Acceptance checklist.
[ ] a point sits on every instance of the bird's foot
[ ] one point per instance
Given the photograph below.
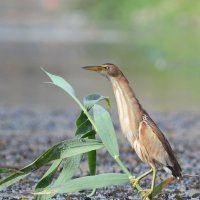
(135, 182)
(147, 193)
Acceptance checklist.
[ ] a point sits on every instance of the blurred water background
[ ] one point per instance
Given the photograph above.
(156, 44)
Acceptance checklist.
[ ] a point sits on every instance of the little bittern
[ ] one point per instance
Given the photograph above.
(141, 131)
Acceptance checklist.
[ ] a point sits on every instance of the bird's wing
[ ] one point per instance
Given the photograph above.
(157, 145)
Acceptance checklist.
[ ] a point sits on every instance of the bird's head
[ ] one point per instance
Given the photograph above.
(109, 70)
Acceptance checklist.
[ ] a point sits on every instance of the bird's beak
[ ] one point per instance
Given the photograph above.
(95, 68)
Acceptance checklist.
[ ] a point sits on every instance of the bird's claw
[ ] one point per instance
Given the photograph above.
(147, 192)
(135, 182)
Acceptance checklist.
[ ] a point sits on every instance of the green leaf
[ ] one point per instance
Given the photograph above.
(88, 182)
(106, 130)
(47, 179)
(4, 170)
(59, 81)
(84, 128)
(92, 162)
(70, 166)
(162, 185)
(64, 149)
(92, 159)
(63, 84)
(81, 119)
(92, 99)
(48, 176)
(83, 123)
(89, 134)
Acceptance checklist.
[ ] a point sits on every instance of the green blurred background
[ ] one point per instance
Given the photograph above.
(155, 43)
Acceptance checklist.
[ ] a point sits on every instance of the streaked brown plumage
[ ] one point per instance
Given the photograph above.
(141, 131)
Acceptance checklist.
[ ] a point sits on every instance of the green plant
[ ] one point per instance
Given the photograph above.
(69, 152)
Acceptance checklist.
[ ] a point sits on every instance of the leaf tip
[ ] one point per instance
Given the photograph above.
(42, 69)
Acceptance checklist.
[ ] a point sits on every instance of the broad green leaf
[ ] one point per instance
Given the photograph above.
(64, 149)
(81, 119)
(92, 99)
(83, 124)
(48, 176)
(88, 182)
(70, 166)
(47, 179)
(162, 185)
(59, 81)
(63, 84)
(84, 128)
(106, 130)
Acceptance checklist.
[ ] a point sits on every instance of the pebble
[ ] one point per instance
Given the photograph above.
(26, 133)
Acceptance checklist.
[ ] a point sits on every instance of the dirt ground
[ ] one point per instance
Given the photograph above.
(25, 133)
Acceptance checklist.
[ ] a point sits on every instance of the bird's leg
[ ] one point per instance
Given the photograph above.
(135, 181)
(148, 192)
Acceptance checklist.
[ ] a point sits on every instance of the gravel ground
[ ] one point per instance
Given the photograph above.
(25, 133)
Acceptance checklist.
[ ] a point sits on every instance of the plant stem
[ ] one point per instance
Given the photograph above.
(87, 114)
(119, 162)
(131, 178)
(117, 159)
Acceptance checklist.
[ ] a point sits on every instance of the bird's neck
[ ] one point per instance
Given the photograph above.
(129, 109)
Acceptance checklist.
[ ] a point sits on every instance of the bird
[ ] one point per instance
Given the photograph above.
(145, 137)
